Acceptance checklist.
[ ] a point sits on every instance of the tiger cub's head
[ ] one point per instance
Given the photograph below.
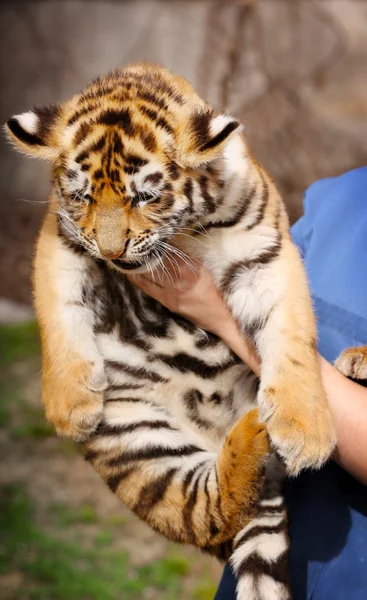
(128, 155)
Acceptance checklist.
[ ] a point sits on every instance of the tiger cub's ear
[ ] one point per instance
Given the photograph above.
(35, 132)
(204, 137)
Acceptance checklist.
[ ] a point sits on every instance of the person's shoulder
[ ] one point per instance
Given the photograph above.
(332, 201)
(346, 190)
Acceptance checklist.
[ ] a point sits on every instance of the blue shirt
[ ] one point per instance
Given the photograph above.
(328, 509)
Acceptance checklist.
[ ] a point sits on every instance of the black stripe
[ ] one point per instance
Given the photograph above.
(263, 259)
(209, 341)
(125, 386)
(213, 528)
(219, 499)
(134, 160)
(23, 135)
(238, 215)
(153, 453)
(153, 178)
(200, 127)
(206, 492)
(153, 492)
(190, 364)
(46, 118)
(167, 202)
(262, 511)
(254, 565)
(149, 112)
(222, 135)
(114, 481)
(251, 328)
(278, 214)
(173, 170)
(139, 372)
(82, 156)
(263, 204)
(259, 530)
(80, 113)
(121, 117)
(91, 455)
(148, 140)
(105, 429)
(156, 82)
(192, 399)
(156, 328)
(209, 202)
(76, 248)
(98, 145)
(130, 399)
(163, 123)
(188, 191)
(81, 133)
(189, 475)
(152, 99)
(188, 510)
(115, 176)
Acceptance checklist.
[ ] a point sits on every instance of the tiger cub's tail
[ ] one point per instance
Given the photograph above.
(260, 550)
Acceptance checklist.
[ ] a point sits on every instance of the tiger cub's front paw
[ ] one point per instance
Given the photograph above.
(300, 426)
(353, 363)
(73, 399)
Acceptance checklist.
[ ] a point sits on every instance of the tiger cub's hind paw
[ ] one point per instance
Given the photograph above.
(353, 363)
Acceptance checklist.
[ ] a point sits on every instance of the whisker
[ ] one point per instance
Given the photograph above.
(184, 257)
(32, 201)
(190, 236)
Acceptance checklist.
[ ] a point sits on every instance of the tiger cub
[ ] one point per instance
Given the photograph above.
(140, 166)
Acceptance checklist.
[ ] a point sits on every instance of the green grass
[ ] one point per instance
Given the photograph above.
(103, 538)
(116, 520)
(18, 341)
(6, 398)
(9, 397)
(205, 589)
(61, 570)
(34, 430)
(85, 514)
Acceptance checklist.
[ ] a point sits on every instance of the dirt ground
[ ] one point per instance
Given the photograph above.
(64, 535)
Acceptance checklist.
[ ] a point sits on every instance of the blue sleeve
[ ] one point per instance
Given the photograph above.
(302, 230)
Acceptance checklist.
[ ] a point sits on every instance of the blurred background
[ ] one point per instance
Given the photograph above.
(294, 72)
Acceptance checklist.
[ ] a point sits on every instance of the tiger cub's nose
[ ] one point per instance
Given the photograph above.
(111, 256)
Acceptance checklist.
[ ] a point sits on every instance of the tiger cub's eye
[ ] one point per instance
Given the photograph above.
(142, 197)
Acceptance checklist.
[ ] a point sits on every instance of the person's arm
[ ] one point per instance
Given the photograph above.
(348, 403)
(196, 298)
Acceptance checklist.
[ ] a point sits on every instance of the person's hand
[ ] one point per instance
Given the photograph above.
(188, 290)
